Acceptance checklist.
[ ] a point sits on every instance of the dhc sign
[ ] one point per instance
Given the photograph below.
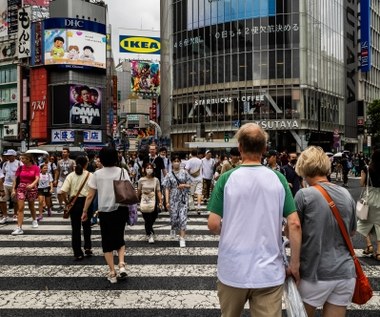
(139, 44)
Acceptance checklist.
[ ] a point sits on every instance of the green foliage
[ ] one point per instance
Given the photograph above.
(373, 113)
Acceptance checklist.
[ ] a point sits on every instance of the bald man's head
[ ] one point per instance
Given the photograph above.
(252, 139)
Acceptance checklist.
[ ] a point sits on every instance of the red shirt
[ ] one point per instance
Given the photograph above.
(28, 174)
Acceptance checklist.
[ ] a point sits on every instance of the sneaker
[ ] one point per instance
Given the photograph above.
(151, 239)
(182, 243)
(112, 277)
(122, 270)
(34, 224)
(40, 217)
(17, 231)
(5, 220)
(60, 209)
(173, 233)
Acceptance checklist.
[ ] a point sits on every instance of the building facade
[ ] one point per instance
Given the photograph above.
(369, 77)
(53, 75)
(281, 64)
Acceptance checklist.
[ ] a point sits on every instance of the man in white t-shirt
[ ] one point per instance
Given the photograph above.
(9, 170)
(208, 164)
(252, 200)
(194, 168)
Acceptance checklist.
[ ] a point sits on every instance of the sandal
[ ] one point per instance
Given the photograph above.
(368, 250)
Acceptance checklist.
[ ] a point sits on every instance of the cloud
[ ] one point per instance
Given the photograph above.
(132, 14)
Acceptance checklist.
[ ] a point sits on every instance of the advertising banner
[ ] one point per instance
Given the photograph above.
(3, 18)
(139, 44)
(37, 47)
(206, 13)
(145, 77)
(68, 136)
(40, 3)
(85, 105)
(38, 104)
(8, 49)
(74, 43)
(365, 34)
(24, 32)
(13, 6)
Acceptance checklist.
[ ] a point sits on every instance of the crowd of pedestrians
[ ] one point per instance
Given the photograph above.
(255, 199)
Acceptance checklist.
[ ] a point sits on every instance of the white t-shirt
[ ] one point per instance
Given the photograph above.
(45, 180)
(9, 170)
(252, 200)
(102, 181)
(208, 168)
(193, 165)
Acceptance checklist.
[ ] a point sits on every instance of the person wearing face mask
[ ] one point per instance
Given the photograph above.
(292, 177)
(147, 185)
(177, 185)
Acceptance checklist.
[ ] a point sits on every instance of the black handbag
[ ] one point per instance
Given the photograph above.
(124, 191)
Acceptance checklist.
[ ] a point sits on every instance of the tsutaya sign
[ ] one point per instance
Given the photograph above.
(278, 124)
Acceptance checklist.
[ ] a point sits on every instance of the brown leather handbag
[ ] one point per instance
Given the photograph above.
(124, 191)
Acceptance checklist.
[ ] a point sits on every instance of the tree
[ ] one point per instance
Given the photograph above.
(373, 112)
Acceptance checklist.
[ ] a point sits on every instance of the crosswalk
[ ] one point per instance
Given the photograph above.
(38, 274)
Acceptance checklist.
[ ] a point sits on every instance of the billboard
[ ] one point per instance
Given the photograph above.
(7, 49)
(13, 6)
(85, 105)
(206, 13)
(139, 44)
(24, 32)
(145, 77)
(365, 36)
(38, 103)
(3, 18)
(74, 43)
(40, 3)
(68, 136)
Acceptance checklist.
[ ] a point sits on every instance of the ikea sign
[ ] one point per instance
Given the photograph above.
(139, 44)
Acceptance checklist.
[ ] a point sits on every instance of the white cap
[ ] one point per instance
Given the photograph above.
(10, 152)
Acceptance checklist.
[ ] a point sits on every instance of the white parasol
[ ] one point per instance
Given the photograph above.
(37, 151)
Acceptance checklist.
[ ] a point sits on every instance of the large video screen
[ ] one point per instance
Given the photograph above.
(85, 105)
(145, 77)
(74, 43)
(210, 12)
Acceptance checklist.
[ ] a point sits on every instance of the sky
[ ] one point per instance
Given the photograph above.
(131, 14)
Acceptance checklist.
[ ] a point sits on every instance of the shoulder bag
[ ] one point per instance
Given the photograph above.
(362, 207)
(66, 210)
(363, 290)
(124, 191)
(148, 201)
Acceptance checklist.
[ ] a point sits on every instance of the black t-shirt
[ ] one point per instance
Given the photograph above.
(292, 178)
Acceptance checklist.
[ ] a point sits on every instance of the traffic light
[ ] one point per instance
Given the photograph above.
(226, 137)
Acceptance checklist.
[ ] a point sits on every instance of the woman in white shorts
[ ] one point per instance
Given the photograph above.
(327, 269)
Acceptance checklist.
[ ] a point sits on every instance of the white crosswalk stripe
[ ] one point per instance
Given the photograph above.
(38, 274)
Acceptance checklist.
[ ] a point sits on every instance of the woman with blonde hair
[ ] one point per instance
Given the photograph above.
(25, 188)
(326, 268)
